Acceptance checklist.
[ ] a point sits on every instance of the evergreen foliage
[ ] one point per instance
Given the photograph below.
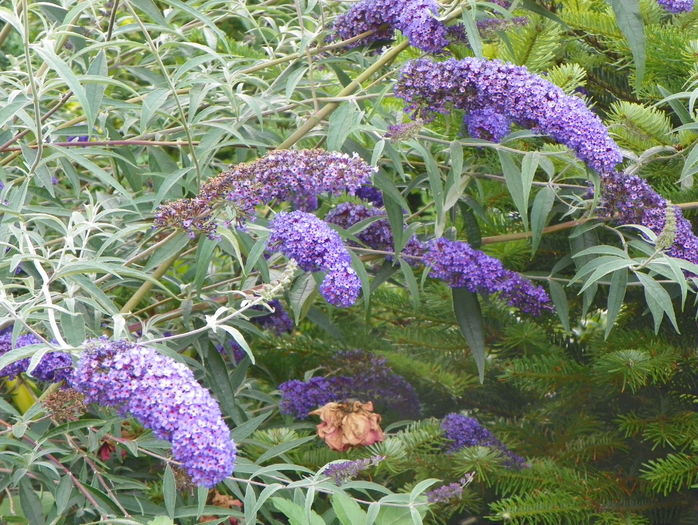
(586, 414)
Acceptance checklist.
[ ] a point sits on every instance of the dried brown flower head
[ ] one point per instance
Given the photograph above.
(349, 424)
(65, 405)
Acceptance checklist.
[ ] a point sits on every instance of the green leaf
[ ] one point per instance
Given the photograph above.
(347, 510)
(515, 184)
(690, 168)
(302, 295)
(152, 102)
(169, 491)
(244, 430)
(467, 310)
(436, 186)
(63, 493)
(204, 253)
(411, 282)
(30, 503)
(471, 32)
(73, 327)
(342, 123)
(217, 371)
(94, 91)
(540, 210)
(64, 71)
(9, 110)
(559, 297)
(161, 520)
(616, 294)
(629, 20)
(658, 301)
(296, 513)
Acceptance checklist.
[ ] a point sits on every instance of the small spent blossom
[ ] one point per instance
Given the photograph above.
(316, 247)
(349, 424)
(343, 471)
(462, 431)
(676, 6)
(282, 175)
(165, 397)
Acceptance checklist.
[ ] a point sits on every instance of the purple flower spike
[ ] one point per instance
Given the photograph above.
(464, 432)
(367, 378)
(53, 367)
(415, 18)
(463, 267)
(676, 6)
(487, 124)
(631, 200)
(317, 247)
(430, 87)
(166, 398)
(283, 175)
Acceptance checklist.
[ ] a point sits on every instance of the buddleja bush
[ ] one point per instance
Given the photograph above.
(314, 262)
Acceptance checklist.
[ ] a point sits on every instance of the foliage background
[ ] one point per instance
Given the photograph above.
(169, 93)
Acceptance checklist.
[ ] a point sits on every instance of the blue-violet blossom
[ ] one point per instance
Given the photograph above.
(676, 6)
(430, 87)
(53, 367)
(364, 376)
(415, 18)
(463, 431)
(282, 175)
(461, 266)
(165, 397)
(317, 247)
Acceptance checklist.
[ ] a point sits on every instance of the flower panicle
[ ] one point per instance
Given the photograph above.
(165, 397)
(283, 175)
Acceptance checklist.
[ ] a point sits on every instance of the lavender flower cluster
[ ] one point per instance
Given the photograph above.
(415, 18)
(283, 175)
(513, 92)
(463, 431)
(676, 6)
(343, 471)
(277, 321)
(454, 262)
(498, 92)
(463, 267)
(317, 247)
(368, 378)
(165, 397)
(53, 367)
(485, 123)
(376, 235)
(631, 200)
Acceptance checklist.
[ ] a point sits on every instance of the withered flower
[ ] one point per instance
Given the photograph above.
(349, 424)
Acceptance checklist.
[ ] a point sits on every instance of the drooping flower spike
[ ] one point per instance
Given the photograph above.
(317, 247)
(282, 175)
(528, 100)
(165, 397)
(456, 263)
(53, 367)
(415, 18)
(471, 84)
